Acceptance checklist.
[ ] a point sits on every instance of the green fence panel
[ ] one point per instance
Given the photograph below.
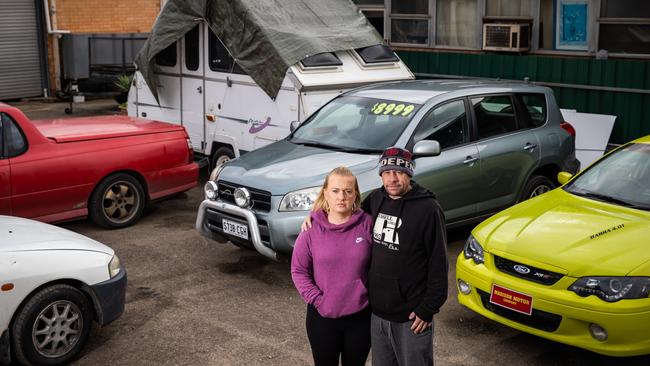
(632, 109)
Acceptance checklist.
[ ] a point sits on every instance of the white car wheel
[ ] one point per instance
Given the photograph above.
(52, 326)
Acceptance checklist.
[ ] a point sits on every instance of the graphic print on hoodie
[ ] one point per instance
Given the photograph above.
(384, 231)
(330, 263)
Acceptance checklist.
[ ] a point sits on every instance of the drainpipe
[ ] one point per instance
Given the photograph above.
(50, 20)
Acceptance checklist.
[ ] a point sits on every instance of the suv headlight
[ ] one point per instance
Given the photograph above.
(114, 267)
(473, 250)
(211, 189)
(612, 289)
(301, 200)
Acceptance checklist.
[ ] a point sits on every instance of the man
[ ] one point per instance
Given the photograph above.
(408, 271)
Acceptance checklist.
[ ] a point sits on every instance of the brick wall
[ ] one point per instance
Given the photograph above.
(101, 16)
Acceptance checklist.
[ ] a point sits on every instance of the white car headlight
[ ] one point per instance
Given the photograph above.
(474, 250)
(301, 200)
(114, 267)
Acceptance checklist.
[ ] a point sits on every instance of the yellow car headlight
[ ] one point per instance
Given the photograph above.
(474, 250)
(612, 289)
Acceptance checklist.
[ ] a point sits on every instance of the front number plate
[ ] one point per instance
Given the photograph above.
(512, 300)
(235, 228)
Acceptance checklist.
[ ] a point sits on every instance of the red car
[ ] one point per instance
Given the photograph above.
(108, 168)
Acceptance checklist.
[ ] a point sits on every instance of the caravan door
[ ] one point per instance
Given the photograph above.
(193, 87)
(168, 106)
(223, 128)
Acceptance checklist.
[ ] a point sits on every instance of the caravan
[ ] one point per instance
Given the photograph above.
(224, 109)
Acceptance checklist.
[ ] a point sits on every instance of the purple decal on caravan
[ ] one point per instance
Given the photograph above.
(258, 126)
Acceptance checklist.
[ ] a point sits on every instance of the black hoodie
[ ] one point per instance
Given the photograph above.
(408, 270)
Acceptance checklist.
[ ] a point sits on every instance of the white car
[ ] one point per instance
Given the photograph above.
(53, 284)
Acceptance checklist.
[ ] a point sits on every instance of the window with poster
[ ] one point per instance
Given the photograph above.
(572, 25)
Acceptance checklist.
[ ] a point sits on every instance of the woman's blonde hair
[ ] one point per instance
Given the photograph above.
(321, 203)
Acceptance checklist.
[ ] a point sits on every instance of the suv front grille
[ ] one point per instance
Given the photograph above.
(539, 319)
(532, 274)
(261, 199)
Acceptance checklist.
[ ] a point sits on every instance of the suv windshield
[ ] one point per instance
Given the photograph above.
(622, 178)
(356, 124)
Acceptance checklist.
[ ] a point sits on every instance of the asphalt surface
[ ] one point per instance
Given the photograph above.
(193, 301)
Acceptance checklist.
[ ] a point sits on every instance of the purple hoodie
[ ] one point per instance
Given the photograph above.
(330, 264)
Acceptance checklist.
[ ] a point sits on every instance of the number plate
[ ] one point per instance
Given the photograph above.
(235, 228)
(512, 300)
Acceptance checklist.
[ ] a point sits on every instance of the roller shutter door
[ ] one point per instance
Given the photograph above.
(20, 70)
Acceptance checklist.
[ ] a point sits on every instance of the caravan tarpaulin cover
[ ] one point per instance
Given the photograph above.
(265, 37)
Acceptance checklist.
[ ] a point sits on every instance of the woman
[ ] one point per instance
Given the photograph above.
(329, 267)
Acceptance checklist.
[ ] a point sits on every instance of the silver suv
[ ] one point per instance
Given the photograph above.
(499, 143)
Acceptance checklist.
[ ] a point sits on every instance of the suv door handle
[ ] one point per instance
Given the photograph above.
(529, 146)
(470, 159)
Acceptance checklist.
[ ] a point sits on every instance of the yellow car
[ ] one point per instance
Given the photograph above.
(572, 265)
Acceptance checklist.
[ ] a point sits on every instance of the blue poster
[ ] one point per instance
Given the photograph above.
(573, 25)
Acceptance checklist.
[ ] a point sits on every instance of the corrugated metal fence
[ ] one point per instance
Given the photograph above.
(616, 87)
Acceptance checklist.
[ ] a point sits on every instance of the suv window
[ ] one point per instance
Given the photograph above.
(495, 115)
(192, 49)
(15, 142)
(167, 57)
(220, 59)
(534, 108)
(446, 124)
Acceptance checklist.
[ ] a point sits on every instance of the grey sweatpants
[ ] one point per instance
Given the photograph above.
(394, 344)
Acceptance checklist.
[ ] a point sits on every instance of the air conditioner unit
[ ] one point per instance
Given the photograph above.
(506, 37)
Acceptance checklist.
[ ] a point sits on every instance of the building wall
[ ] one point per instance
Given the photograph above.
(101, 16)
(630, 102)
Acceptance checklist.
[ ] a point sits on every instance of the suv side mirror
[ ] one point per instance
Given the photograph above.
(426, 148)
(293, 125)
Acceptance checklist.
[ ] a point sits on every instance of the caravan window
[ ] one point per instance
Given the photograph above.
(376, 53)
(167, 57)
(192, 49)
(220, 59)
(321, 59)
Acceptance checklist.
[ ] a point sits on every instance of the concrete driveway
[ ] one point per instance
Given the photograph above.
(191, 301)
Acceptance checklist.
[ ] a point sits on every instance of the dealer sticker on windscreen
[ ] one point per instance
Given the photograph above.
(235, 228)
(512, 300)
